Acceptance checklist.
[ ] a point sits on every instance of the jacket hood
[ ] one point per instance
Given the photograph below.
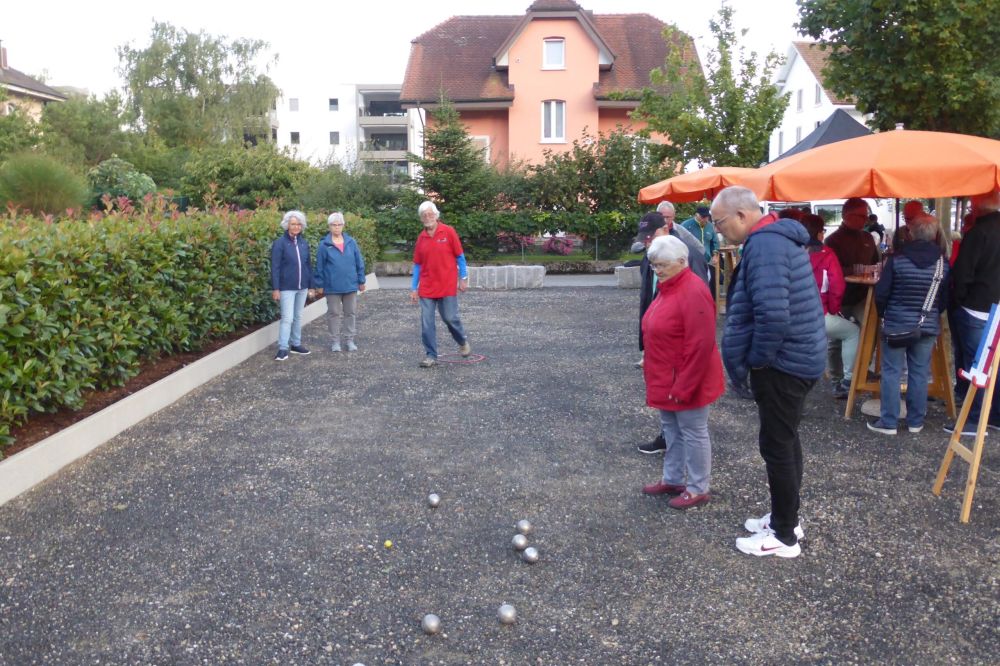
(922, 253)
(788, 228)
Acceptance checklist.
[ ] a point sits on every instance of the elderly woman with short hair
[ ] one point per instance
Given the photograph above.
(683, 372)
(340, 274)
(916, 270)
(291, 281)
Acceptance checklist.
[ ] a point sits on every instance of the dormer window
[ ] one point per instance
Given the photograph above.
(554, 53)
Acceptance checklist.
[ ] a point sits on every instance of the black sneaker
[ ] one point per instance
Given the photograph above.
(300, 350)
(282, 355)
(658, 445)
(841, 390)
(968, 431)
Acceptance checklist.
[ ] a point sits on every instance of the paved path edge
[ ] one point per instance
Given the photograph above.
(26, 469)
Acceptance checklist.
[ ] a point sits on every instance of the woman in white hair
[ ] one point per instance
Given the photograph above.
(291, 282)
(340, 274)
(683, 372)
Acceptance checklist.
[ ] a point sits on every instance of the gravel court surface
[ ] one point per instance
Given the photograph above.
(246, 523)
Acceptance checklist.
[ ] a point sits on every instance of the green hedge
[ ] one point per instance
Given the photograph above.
(612, 231)
(84, 303)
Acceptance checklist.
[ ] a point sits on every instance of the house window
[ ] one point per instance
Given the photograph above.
(798, 134)
(798, 101)
(819, 94)
(483, 144)
(293, 103)
(554, 53)
(295, 138)
(554, 121)
(274, 135)
(334, 138)
(334, 104)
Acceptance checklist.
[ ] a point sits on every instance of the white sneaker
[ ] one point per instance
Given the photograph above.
(763, 544)
(351, 346)
(335, 347)
(762, 525)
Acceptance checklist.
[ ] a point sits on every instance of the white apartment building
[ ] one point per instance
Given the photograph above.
(810, 103)
(355, 125)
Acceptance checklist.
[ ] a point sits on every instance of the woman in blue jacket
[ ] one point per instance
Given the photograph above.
(340, 274)
(291, 282)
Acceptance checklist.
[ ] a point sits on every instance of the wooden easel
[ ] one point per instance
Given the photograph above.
(974, 455)
(868, 351)
(728, 256)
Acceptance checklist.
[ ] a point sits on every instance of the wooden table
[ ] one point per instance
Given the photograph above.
(728, 255)
(868, 349)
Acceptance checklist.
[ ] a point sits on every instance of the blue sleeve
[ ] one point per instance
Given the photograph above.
(883, 288)
(275, 264)
(416, 277)
(769, 279)
(463, 269)
(318, 273)
(360, 262)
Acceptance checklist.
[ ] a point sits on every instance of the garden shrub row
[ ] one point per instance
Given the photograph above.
(83, 303)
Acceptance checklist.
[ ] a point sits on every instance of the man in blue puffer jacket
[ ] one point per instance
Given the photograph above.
(774, 333)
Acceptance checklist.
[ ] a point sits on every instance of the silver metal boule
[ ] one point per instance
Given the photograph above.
(507, 614)
(519, 542)
(524, 527)
(433, 500)
(431, 624)
(530, 555)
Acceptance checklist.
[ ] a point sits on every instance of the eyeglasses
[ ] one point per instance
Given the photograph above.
(718, 221)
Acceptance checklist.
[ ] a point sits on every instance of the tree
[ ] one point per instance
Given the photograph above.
(724, 117)
(452, 169)
(922, 63)
(242, 176)
(197, 89)
(17, 133)
(595, 175)
(85, 131)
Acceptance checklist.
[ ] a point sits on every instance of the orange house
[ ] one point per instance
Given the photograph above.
(526, 84)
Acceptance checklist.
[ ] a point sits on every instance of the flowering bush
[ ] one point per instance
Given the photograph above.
(508, 241)
(558, 245)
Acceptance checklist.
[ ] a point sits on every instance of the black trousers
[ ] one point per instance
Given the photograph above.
(780, 400)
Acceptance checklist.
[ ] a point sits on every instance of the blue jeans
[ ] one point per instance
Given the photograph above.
(918, 364)
(967, 333)
(448, 307)
(290, 329)
(689, 449)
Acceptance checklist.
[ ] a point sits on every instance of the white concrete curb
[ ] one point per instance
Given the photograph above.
(25, 469)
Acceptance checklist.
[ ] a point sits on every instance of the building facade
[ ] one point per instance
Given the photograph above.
(354, 125)
(28, 95)
(524, 85)
(810, 102)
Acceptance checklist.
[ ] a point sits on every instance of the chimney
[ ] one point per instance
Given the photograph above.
(3, 57)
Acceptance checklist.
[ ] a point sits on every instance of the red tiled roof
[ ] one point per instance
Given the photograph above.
(817, 58)
(456, 56)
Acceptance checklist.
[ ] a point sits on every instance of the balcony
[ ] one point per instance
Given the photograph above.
(388, 119)
(382, 149)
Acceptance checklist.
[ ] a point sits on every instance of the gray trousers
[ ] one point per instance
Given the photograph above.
(340, 310)
(689, 449)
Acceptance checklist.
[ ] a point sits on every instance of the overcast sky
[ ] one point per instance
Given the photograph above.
(74, 43)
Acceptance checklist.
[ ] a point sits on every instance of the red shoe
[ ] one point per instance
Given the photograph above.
(661, 488)
(687, 500)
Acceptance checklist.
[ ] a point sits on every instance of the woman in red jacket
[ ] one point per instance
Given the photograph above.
(683, 372)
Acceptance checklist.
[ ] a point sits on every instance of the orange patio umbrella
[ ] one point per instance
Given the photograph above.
(899, 163)
(694, 186)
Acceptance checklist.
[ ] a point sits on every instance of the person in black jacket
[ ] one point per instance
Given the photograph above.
(907, 281)
(975, 288)
(650, 226)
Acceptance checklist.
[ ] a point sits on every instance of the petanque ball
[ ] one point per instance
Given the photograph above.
(507, 614)
(431, 624)
(524, 527)
(433, 500)
(519, 542)
(530, 555)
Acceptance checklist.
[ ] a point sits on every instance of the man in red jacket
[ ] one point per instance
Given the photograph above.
(439, 270)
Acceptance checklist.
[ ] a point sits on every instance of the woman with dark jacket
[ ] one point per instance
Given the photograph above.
(683, 372)
(900, 294)
(340, 274)
(291, 282)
